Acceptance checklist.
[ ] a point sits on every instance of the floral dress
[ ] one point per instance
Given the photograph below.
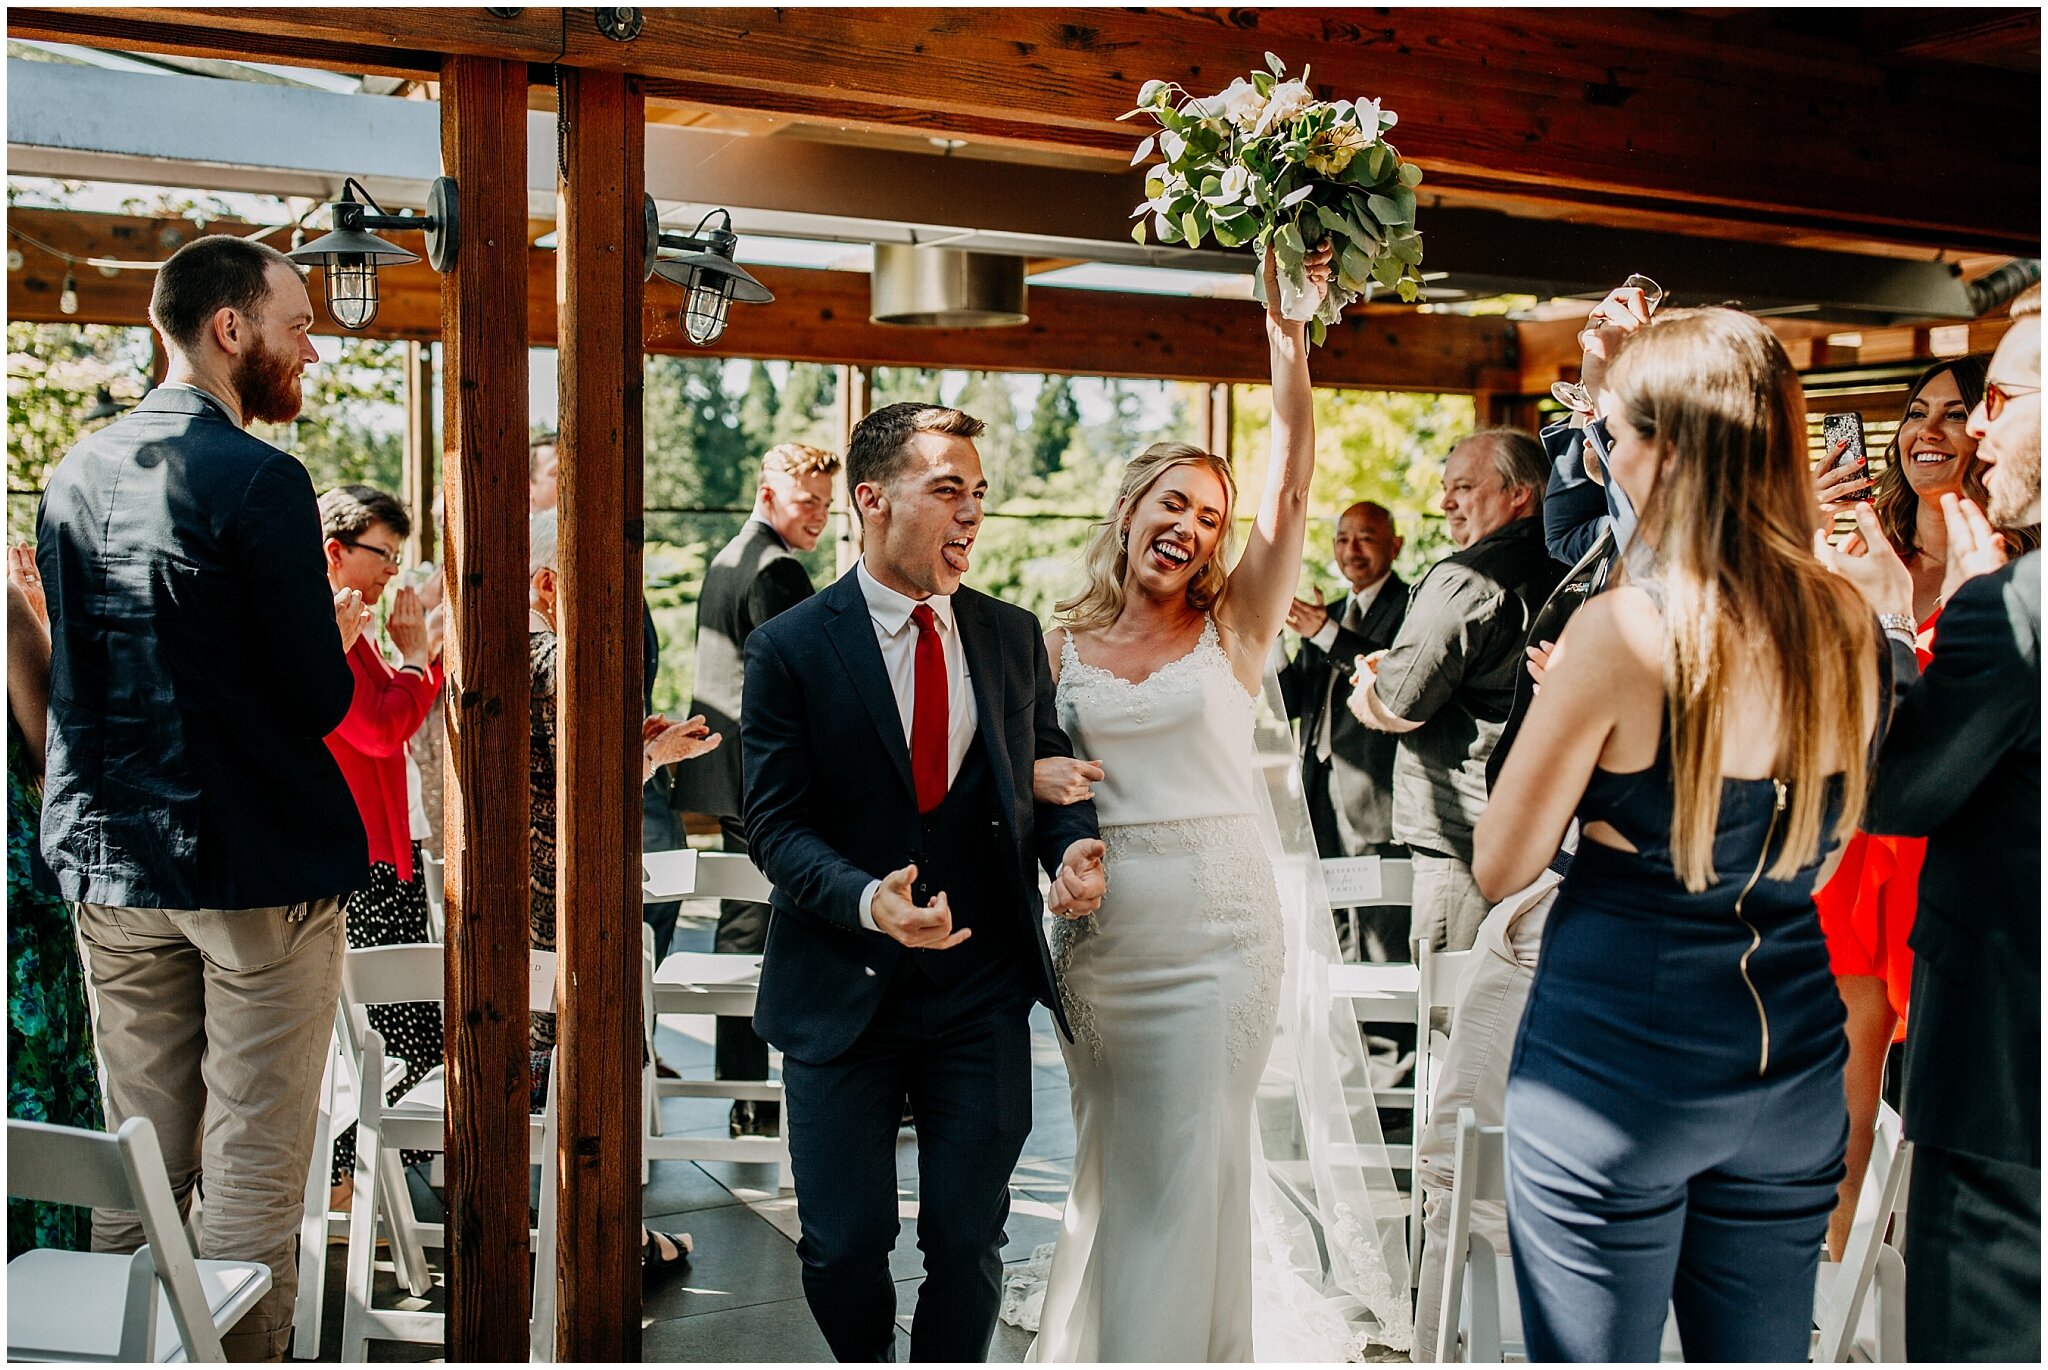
(50, 1071)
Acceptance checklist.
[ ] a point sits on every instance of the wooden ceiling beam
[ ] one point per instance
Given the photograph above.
(822, 316)
(1652, 111)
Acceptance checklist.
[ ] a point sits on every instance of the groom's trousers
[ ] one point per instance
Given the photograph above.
(964, 1062)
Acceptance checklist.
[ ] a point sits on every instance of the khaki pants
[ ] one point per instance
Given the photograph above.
(1486, 1023)
(214, 1024)
(1448, 905)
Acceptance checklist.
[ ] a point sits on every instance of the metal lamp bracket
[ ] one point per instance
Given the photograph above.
(621, 24)
(443, 224)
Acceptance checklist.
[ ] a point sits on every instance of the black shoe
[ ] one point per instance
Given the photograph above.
(755, 1118)
(663, 1254)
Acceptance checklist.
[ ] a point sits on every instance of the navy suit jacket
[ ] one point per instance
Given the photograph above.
(1961, 767)
(830, 805)
(195, 670)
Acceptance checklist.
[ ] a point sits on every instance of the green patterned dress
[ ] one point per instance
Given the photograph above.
(50, 1072)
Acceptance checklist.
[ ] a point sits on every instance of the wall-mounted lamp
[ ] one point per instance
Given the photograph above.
(704, 268)
(348, 257)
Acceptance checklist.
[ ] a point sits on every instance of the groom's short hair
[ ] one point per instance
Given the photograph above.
(877, 452)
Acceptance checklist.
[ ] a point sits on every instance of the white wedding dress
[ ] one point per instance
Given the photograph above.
(1177, 1223)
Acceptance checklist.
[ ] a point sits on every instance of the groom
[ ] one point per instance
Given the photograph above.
(888, 731)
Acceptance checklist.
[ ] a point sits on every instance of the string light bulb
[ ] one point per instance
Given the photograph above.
(67, 299)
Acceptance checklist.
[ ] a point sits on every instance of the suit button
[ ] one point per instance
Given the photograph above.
(869, 969)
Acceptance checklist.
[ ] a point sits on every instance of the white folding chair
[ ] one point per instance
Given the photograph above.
(317, 1225)
(1439, 975)
(1379, 992)
(1849, 1324)
(721, 985)
(418, 1121)
(689, 874)
(158, 1304)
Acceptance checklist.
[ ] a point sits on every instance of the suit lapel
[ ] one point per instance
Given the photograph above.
(985, 666)
(852, 634)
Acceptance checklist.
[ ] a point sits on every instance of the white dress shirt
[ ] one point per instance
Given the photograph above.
(889, 612)
(1352, 610)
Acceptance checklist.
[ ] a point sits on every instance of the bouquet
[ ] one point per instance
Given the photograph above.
(1265, 162)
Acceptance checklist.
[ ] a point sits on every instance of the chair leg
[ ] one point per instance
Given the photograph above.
(310, 1308)
(1891, 1305)
(408, 1253)
(362, 1218)
(541, 1329)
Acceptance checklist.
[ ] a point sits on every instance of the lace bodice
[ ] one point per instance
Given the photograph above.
(1175, 745)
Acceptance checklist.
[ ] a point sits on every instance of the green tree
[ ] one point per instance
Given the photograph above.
(1054, 417)
(54, 373)
(897, 384)
(758, 408)
(809, 410)
(1005, 454)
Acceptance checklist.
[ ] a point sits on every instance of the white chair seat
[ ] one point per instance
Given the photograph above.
(68, 1305)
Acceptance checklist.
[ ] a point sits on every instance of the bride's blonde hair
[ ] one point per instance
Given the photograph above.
(1107, 558)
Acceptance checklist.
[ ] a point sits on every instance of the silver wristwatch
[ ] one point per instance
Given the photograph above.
(1899, 626)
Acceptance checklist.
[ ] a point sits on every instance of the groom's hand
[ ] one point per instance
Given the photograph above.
(896, 912)
(1078, 889)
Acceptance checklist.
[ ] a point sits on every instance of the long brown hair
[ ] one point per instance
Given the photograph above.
(1712, 391)
(1105, 560)
(1891, 495)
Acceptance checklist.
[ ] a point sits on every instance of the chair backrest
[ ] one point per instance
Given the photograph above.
(728, 875)
(1838, 1310)
(1481, 1161)
(124, 1170)
(417, 972)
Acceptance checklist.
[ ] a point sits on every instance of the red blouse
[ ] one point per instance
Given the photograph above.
(369, 745)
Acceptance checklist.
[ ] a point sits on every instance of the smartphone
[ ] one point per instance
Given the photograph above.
(1848, 424)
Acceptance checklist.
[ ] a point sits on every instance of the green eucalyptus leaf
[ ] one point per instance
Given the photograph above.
(1146, 208)
(1354, 265)
(1144, 151)
(1138, 231)
(1262, 83)
(1295, 197)
(1410, 289)
(1290, 238)
(1191, 227)
(1405, 198)
(1226, 232)
(1167, 227)
(1410, 174)
(1317, 331)
(1154, 185)
(1386, 270)
(1408, 250)
(1150, 92)
(1275, 65)
(1388, 211)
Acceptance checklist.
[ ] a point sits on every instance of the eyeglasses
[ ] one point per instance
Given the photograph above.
(1996, 393)
(392, 559)
(1571, 394)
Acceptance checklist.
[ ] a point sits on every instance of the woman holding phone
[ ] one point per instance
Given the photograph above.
(1675, 1114)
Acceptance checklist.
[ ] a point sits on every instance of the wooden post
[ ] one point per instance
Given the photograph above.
(598, 298)
(856, 396)
(1218, 417)
(419, 465)
(483, 312)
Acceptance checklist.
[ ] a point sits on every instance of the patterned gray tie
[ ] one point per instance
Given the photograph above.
(1352, 619)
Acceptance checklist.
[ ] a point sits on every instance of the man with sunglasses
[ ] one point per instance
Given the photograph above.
(1961, 766)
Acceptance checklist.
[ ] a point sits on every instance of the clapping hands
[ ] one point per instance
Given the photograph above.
(663, 743)
(351, 616)
(23, 575)
(1078, 889)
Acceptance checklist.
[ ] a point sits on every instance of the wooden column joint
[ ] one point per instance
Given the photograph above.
(483, 322)
(599, 296)
(421, 468)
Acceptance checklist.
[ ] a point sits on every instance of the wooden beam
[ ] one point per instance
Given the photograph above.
(822, 316)
(487, 815)
(1648, 111)
(419, 477)
(598, 717)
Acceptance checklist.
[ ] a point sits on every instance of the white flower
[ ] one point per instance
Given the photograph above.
(1239, 102)
(1369, 116)
(1236, 181)
(1288, 99)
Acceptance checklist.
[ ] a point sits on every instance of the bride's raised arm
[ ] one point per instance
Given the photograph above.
(1262, 583)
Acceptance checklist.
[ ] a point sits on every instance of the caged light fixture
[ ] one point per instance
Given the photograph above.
(348, 257)
(702, 265)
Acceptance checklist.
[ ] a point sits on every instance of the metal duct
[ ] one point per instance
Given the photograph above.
(945, 287)
(1989, 292)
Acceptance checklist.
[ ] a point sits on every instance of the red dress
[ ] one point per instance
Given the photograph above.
(1866, 910)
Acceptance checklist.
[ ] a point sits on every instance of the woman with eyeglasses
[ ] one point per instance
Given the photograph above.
(364, 531)
(1867, 909)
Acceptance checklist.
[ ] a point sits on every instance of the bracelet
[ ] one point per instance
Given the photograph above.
(420, 671)
(1899, 626)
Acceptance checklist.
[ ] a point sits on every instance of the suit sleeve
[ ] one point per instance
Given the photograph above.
(1956, 722)
(1294, 677)
(775, 754)
(782, 585)
(277, 543)
(1575, 509)
(1057, 826)
(1434, 648)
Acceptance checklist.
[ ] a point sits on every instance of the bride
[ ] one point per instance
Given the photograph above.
(1176, 1220)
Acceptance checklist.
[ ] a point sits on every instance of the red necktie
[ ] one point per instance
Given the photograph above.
(929, 728)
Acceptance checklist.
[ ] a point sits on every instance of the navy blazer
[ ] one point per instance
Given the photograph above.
(195, 670)
(1961, 766)
(830, 804)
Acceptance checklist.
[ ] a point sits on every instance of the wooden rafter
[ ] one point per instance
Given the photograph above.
(1645, 112)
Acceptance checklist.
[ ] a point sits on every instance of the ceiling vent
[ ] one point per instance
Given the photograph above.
(944, 287)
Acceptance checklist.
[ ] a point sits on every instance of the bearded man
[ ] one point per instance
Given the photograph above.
(193, 812)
